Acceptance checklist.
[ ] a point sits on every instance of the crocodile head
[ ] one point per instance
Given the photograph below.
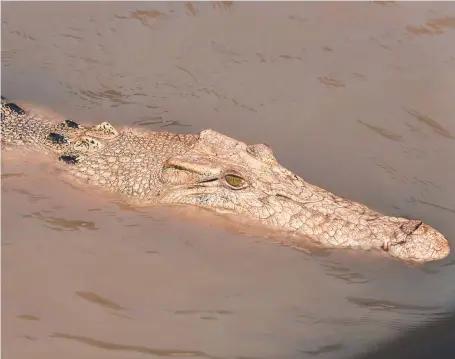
(416, 241)
(229, 176)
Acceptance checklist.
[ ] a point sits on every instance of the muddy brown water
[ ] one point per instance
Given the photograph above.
(356, 98)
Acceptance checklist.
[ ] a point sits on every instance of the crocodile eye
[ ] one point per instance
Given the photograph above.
(234, 181)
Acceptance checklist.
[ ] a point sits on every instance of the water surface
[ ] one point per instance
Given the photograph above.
(356, 98)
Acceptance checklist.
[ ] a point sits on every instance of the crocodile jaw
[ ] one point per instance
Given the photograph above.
(321, 217)
(425, 244)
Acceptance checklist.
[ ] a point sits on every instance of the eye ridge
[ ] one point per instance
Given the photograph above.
(234, 180)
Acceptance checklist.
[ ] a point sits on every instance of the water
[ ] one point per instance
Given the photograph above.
(355, 98)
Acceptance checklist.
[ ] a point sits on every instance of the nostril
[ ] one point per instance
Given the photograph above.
(410, 226)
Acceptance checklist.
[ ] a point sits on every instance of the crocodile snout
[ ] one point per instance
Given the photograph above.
(420, 243)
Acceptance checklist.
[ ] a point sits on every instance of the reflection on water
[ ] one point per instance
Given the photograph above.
(134, 348)
(27, 317)
(324, 349)
(382, 132)
(61, 224)
(95, 298)
(437, 128)
(355, 98)
(432, 340)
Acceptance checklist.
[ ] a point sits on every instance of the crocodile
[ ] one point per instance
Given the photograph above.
(219, 173)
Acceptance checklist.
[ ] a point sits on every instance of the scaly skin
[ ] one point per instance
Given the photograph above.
(217, 172)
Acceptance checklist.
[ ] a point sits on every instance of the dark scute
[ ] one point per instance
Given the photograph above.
(15, 108)
(57, 138)
(69, 159)
(72, 124)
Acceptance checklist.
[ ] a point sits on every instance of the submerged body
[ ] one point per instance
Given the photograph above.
(217, 172)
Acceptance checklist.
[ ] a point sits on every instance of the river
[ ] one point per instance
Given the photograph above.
(356, 98)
